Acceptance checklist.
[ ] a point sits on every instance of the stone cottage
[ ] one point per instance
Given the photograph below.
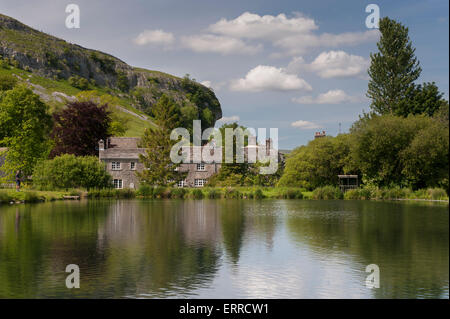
(121, 157)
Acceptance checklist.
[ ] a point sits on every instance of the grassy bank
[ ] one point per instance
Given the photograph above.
(32, 196)
(322, 193)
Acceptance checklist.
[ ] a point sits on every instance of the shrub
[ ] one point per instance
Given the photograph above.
(7, 82)
(70, 171)
(145, 190)
(352, 194)
(31, 197)
(327, 192)
(4, 197)
(437, 193)
(158, 192)
(292, 194)
(178, 192)
(197, 194)
(258, 194)
(232, 193)
(213, 193)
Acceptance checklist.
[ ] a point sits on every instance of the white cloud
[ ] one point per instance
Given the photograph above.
(269, 78)
(331, 64)
(330, 97)
(294, 35)
(338, 64)
(229, 119)
(154, 37)
(218, 44)
(253, 26)
(298, 44)
(305, 125)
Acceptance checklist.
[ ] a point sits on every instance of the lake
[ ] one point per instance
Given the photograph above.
(224, 249)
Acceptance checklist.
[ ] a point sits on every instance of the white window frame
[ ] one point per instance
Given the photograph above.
(133, 166)
(201, 167)
(199, 182)
(116, 166)
(118, 183)
(182, 183)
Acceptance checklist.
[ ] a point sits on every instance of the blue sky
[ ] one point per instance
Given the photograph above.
(299, 66)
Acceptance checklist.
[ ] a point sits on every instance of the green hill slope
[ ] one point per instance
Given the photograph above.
(58, 71)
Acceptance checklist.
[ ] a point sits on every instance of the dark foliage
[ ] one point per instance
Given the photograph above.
(79, 127)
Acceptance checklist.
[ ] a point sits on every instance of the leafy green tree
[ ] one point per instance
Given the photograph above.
(425, 160)
(393, 69)
(423, 99)
(232, 174)
(122, 82)
(159, 169)
(7, 82)
(318, 163)
(70, 171)
(378, 142)
(25, 123)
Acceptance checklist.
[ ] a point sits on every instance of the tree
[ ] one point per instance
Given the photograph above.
(393, 69)
(378, 144)
(159, 168)
(7, 82)
(79, 127)
(318, 163)
(69, 171)
(425, 160)
(24, 126)
(422, 99)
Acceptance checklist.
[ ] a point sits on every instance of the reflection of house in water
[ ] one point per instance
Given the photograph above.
(200, 222)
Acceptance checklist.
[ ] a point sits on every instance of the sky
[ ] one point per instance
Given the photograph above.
(299, 66)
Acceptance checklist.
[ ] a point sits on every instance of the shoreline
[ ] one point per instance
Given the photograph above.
(12, 197)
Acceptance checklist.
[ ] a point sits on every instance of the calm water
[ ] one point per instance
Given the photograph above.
(224, 249)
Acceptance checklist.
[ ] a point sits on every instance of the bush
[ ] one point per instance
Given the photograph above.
(213, 193)
(327, 192)
(292, 194)
(32, 197)
(437, 193)
(178, 192)
(258, 194)
(145, 190)
(70, 171)
(232, 193)
(197, 194)
(158, 192)
(7, 82)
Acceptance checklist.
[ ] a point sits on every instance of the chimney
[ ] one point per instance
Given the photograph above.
(101, 145)
(268, 146)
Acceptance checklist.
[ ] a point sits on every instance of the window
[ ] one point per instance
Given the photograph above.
(201, 167)
(115, 166)
(182, 183)
(200, 182)
(118, 183)
(132, 166)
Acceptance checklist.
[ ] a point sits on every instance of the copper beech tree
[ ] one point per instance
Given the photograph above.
(78, 128)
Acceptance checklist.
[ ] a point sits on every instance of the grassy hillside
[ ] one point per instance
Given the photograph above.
(58, 71)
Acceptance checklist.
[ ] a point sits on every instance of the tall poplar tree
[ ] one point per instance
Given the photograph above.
(159, 169)
(393, 69)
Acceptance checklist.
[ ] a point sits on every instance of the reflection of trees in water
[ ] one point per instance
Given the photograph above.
(158, 247)
(409, 242)
(37, 243)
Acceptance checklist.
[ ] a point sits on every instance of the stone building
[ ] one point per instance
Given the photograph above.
(121, 157)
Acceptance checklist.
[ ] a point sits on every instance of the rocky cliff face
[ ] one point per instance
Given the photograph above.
(54, 58)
